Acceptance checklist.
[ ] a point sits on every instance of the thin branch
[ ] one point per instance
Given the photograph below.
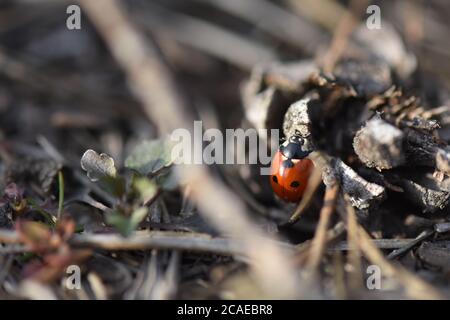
(204, 36)
(415, 287)
(313, 184)
(342, 33)
(9, 236)
(276, 21)
(412, 243)
(160, 240)
(383, 244)
(146, 240)
(325, 13)
(320, 237)
(354, 256)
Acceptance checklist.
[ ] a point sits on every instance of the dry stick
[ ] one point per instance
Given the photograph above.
(160, 240)
(339, 275)
(313, 183)
(9, 236)
(186, 241)
(415, 287)
(413, 20)
(153, 84)
(379, 243)
(304, 248)
(204, 36)
(321, 161)
(13, 249)
(402, 250)
(326, 13)
(320, 237)
(342, 34)
(276, 21)
(167, 286)
(352, 238)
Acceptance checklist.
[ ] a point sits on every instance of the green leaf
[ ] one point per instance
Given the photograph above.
(137, 217)
(118, 221)
(150, 156)
(126, 225)
(46, 215)
(26, 256)
(145, 188)
(113, 185)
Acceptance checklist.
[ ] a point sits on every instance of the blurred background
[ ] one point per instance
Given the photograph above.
(63, 83)
(62, 92)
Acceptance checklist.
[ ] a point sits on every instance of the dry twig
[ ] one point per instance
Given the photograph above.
(319, 241)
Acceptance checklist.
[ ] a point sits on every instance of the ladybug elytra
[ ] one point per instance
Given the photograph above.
(290, 169)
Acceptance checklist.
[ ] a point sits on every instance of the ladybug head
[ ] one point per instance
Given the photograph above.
(292, 147)
(296, 138)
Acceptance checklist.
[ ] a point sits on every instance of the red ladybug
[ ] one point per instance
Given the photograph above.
(290, 170)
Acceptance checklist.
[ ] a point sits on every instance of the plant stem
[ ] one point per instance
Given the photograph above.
(61, 193)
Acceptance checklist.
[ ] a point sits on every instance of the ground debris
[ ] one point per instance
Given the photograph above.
(435, 254)
(379, 144)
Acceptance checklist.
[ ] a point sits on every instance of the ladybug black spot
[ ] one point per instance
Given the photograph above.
(295, 184)
(275, 179)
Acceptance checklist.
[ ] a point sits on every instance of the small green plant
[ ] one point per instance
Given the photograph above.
(148, 172)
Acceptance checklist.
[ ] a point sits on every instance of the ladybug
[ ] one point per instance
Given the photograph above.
(290, 169)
